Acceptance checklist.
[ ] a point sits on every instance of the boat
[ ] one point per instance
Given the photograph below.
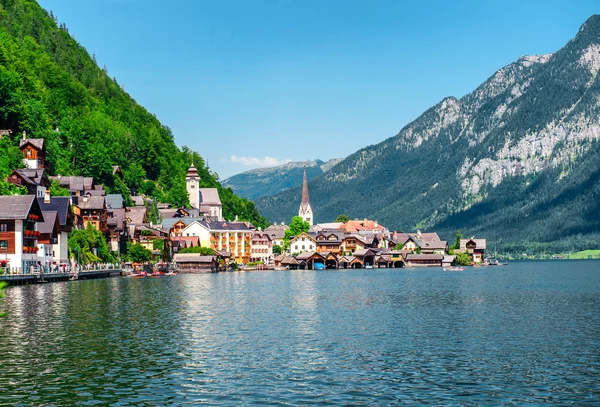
(157, 273)
(170, 273)
(454, 268)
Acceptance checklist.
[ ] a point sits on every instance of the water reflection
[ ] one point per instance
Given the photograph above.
(525, 334)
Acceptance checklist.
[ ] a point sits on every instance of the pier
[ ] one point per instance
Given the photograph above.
(39, 277)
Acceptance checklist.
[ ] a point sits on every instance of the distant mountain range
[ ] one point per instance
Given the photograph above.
(516, 160)
(260, 182)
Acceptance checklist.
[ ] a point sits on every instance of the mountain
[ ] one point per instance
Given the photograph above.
(517, 160)
(53, 89)
(269, 181)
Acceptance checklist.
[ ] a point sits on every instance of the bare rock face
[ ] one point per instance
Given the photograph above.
(526, 139)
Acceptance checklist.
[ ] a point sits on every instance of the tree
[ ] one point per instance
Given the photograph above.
(139, 254)
(153, 213)
(297, 226)
(342, 218)
(205, 251)
(57, 190)
(89, 246)
(462, 259)
(276, 249)
(456, 244)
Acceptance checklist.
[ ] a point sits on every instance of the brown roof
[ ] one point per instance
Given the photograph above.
(193, 258)
(18, 207)
(480, 243)
(424, 236)
(90, 202)
(38, 143)
(417, 257)
(50, 222)
(433, 244)
(353, 226)
(136, 215)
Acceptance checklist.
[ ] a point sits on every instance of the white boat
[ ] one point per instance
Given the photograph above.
(454, 268)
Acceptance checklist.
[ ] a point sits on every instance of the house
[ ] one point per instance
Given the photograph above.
(5, 132)
(77, 186)
(303, 243)
(474, 247)
(309, 259)
(366, 256)
(433, 246)
(62, 206)
(424, 236)
(276, 233)
(34, 179)
(117, 230)
(183, 242)
(424, 260)
(34, 152)
(48, 230)
(19, 217)
(200, 228)
(117, 172)
(90, 210)
(261, 247)
(136, 215)
(329, 241)
(234, 237)
(192, 262)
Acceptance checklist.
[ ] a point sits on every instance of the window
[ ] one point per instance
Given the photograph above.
(3, 227)
(302, 247)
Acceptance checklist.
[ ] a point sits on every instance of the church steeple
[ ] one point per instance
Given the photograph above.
(192, 179)
(305, 211)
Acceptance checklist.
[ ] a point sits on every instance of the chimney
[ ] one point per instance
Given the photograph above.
(85, 198)
(47, 196)
(376, 224)
(24, 135)
(418, 234)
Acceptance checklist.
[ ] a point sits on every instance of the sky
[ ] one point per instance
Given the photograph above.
(262, 82)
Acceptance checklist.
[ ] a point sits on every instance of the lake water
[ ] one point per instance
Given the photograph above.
(523, 334)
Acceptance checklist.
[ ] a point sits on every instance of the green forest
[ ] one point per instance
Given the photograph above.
(51, 88)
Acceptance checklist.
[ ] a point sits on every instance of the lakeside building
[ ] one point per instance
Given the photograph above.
(261, 247)
(303, 243)
(276, 233)
(60, 242)
(474, 247)
(19, 218)
(90, 210)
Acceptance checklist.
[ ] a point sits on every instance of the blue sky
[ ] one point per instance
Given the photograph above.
(249, 83)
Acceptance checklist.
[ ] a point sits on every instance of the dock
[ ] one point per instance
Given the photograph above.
(38, 278)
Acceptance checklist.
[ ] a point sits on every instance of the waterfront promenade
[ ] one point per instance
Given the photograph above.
(48, 274)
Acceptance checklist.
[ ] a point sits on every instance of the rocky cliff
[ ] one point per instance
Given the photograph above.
(517, 159)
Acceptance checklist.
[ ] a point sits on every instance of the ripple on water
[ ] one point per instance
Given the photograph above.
(528, 334)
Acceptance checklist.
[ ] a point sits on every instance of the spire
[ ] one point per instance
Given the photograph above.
(305, 199)
(192, 172)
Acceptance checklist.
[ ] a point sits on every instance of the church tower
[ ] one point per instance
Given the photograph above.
(192, 181)
(305, 211)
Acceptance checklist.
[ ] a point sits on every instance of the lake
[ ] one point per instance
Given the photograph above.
(523, 334)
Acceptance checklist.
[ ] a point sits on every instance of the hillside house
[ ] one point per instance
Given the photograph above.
(34, 152)
(34, 179)
(90, 210)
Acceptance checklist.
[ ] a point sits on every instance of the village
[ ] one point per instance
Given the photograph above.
(35, 229)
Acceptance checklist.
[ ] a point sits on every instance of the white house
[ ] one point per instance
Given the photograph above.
(303, 243)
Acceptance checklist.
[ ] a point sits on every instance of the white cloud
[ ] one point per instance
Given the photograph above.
(256, 162)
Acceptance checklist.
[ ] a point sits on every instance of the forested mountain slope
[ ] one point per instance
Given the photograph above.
(48, 82)
(517, 160)
(269, 181)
